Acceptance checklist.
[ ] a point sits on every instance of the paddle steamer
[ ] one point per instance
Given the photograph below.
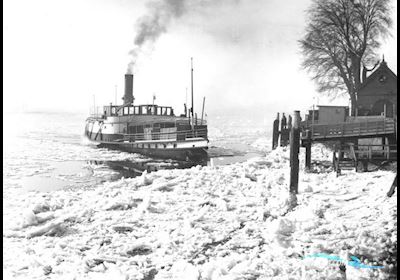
(149, 129)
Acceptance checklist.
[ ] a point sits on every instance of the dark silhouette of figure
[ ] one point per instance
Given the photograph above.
(283, 122)
(289, 124)
(275, 132)
(284, 131)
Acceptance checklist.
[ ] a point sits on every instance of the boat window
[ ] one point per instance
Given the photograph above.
(158, 110)
(144, 110)
(126, 110)
(169, 125)
(131, 111)
(136, 110)
(113, 110)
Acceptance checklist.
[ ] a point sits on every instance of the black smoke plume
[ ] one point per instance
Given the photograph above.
(150, 26)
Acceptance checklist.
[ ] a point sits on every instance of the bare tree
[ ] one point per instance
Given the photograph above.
(341, 37)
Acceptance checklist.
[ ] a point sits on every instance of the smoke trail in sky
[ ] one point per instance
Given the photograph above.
(154, 23)
(158, 18)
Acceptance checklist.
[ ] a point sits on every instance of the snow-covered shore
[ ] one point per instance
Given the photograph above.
(221, 222)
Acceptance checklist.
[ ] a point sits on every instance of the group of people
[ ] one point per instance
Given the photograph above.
(286, 125)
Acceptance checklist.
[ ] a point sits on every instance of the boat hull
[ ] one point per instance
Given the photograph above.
(184, 154)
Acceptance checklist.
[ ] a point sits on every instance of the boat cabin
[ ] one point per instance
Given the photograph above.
(154, 110)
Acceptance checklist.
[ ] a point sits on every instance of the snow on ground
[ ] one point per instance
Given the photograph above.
(214, 222)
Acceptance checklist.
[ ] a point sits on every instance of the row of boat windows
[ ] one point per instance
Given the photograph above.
(152, 146)
(138, 110)
(141, 128)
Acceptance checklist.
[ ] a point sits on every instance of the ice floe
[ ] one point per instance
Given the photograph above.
(214, 222)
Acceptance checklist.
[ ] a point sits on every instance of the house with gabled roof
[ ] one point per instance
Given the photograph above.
(377, 94)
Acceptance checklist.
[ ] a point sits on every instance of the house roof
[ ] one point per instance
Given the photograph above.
(382, 68)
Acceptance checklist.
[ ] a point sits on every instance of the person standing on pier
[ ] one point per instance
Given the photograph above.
(275, 132)
(283, 122)
(284, 131)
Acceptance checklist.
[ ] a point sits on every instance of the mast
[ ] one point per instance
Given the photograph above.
(116, 95)
(186, 103)
(202, 110)
(191, 62)
(94, 104)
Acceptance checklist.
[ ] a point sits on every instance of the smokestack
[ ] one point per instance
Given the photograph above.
(128, 96)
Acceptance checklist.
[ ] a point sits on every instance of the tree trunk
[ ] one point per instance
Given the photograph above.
(356, 67)
(353, 105)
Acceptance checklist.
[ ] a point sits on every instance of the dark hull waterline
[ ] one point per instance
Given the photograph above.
(185, 154)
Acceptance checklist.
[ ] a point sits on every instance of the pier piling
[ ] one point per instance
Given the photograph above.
(308, 155)
(308, 149)
(294, 153)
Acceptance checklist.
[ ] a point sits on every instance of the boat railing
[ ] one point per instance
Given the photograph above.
(167, 135)
(96, 116)
(200, 122)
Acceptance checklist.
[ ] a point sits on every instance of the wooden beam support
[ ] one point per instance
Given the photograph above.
(394, 185)
(308, 155)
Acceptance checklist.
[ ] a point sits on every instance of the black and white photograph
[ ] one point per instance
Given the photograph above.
(200, 139)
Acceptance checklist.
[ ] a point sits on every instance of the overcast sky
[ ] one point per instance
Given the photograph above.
(58, 54)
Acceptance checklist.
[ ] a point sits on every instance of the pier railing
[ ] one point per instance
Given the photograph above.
(364, 127)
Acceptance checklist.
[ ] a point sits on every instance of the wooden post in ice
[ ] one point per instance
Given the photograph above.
(294, 153)
(308, 149)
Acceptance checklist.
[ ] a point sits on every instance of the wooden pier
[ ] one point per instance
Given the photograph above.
(352, 156)
(356, 129)
(349, 152)
(347, 135)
